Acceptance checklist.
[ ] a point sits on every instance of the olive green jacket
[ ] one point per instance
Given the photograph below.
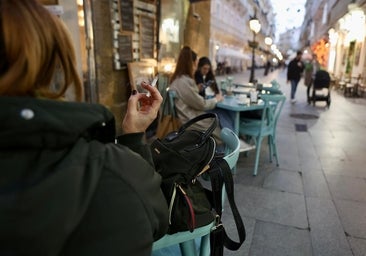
(66, 188)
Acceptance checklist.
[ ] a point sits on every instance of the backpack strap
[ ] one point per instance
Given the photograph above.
(229, 187)
(221, 171)
(198, 118)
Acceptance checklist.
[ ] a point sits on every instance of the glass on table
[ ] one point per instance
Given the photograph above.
(223, 86)
(229, 86)
(253, 96)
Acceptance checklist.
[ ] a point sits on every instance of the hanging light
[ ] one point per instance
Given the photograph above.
(268, 40)
(254, 24)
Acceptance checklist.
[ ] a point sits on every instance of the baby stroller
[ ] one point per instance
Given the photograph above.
(321, 87)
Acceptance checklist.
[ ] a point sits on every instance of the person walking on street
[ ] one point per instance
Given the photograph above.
(267, 68)
(294, 72)
(314, 67)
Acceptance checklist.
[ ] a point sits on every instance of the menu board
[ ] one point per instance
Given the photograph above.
(125, 48)
(126, 16)
(147, 29)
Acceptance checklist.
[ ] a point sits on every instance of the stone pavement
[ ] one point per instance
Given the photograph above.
(314, 203)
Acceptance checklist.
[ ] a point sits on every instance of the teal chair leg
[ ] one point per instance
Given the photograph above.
(257, 151)
(205, 246)
(250, 140)
(270, 147)
(188, 248)
(275, 152)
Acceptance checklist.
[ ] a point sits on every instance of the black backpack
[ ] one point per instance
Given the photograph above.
(181, 158)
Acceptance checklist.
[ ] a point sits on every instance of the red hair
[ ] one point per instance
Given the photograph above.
(35, 46)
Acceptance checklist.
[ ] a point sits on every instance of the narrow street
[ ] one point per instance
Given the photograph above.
(80, 175)
(314, 203)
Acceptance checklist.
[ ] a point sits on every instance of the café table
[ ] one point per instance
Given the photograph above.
(262, 88)
(242, 90)
(251, 85)
(231, 103)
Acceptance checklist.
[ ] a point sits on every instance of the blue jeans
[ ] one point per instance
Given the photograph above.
(294, 84)
(226, 117)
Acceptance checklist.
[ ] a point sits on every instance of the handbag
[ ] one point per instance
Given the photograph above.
(168, 120)
(181, 157)
(167, 124)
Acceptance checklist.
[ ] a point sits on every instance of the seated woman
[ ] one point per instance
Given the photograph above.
(205, 78)
(189, 102)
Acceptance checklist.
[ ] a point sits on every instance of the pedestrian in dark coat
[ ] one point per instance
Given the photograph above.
(294, 72)
(68, 185)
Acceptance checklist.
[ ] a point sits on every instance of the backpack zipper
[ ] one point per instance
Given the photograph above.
(172, 199)
(207, 166)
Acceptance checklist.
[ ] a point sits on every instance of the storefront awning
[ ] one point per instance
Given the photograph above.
(231, 53)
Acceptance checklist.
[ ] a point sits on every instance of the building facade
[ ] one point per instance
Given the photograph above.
(335, 31)
(222, 32)
(119, 40)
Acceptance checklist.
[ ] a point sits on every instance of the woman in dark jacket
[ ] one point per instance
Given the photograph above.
(68, 186)
(205, 79)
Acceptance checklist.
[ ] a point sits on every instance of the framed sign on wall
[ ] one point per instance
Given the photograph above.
(126, 15)
(147, 33)
(134, 31)
(125, 49)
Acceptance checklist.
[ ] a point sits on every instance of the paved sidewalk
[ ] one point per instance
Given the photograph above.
(314, 203)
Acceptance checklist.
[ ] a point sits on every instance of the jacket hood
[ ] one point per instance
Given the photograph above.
(40, 123)
(50, 167)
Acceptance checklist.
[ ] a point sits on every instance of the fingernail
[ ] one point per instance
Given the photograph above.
(134, 92)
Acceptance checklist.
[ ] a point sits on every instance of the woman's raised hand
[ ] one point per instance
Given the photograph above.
(141, 109)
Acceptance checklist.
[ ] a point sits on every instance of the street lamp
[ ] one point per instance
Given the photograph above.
(254, 26)
(268, 42)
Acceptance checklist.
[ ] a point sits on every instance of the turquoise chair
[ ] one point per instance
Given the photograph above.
(275, 84)
(172, 95)
(272, 90)
(265, 127)
(187, 240)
